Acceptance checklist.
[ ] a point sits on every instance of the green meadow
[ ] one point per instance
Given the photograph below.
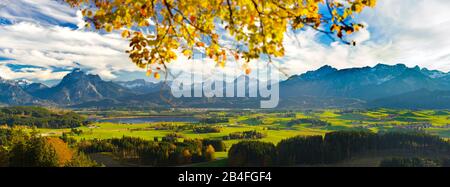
(274, 125)
(277, 125)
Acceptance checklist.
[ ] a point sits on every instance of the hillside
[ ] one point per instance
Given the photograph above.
(420, 99)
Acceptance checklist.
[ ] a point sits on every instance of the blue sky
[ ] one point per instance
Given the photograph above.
(43, 40)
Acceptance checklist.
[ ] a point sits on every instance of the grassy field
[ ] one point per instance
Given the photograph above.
(145, 131)
(277, 125)
(280, 125)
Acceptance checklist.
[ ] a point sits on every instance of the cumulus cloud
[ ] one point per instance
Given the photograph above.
(55, 46)
(416, 31)
(50, 35)
(30, 74)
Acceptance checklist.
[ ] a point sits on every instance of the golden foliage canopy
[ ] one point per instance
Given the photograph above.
(62, 150)
(257, 26)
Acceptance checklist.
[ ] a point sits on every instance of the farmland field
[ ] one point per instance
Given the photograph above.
(275, 125)
(278, 125)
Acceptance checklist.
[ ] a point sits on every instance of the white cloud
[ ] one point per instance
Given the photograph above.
(55, 46)
(413, 32)
(40, 36)
(48, 12)
(30, 74)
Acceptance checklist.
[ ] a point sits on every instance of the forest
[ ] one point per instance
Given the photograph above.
(245, 135)
(21, 149)
(414, 162)
(40, 117)
(333, 147)
(378, 137)
(155, 153)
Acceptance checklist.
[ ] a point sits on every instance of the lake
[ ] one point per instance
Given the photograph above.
(138, 120)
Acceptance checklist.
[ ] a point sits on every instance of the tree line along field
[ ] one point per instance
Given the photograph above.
(232, 127)
(277, 125)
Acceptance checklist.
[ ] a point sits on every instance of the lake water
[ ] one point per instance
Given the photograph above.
(150, 119)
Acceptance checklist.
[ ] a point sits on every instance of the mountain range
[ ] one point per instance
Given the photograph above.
(368, 86)
(391, 86)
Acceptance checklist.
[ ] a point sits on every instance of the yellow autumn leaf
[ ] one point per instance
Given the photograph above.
(108, 28)
(187, 52)
(156, 75)
(258, 28)
(149, 72)
(125, 34)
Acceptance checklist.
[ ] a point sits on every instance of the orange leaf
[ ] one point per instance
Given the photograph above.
(200, 44)
(192, 18)
(156, 75)
(248, 71)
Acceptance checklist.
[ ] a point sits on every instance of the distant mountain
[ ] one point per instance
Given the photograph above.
(388, 86)
(34, 87)
(23, 82)
(420, 99)
(445, 81)
(366, 83)
(410, 80)
(11, 93)
(141, 86)
(433, 73)
(312, 75)
(164, 98)
(78, 87)
(326, 87)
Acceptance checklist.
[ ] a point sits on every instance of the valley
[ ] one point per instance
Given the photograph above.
(277, 124)
(328, 117)
(246, 125)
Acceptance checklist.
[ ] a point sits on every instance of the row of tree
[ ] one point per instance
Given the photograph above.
(196, 128)
(314, 122)
(214, 120)
(245, 135)
(206, 129)
(333, 147)
(156, 153)
(414, 162)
